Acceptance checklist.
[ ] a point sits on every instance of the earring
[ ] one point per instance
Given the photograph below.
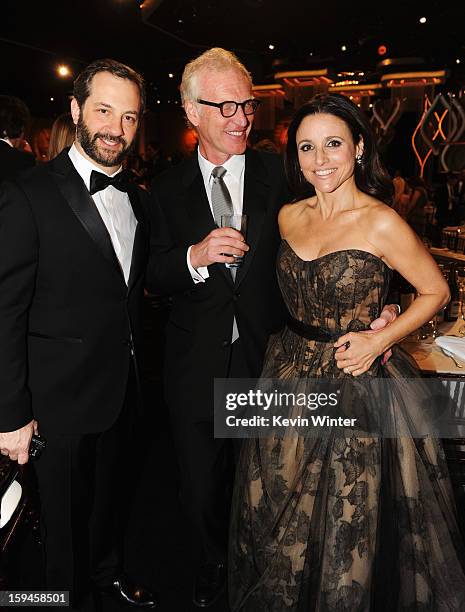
(358, 159)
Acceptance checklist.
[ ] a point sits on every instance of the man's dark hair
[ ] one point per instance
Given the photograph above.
(370, 175)
(83, 81)
(14, 116)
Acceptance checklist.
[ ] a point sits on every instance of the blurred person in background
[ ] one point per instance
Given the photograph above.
(450, 200)
(40, 139)
(62, 134)
(14, 117)
(412, 202)
(265, 144)
(419, 202)
(155, 161)
(134, 165)
(401, 197)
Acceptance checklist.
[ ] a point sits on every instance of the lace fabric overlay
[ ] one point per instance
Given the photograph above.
(342, 524)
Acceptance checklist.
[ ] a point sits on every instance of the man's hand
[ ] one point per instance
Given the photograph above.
(15, 444)
(213, 247)
(389, 314)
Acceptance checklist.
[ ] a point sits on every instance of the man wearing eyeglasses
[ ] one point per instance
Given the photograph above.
(220, 321)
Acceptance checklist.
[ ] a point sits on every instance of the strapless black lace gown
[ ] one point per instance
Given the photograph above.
(335, 524)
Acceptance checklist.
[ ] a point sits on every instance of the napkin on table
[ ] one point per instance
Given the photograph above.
(454, 345)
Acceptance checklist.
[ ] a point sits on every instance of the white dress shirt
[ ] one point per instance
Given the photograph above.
(115, 209)
(234, 180)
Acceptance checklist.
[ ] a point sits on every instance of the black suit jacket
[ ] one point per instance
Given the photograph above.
(200, 324)
(13, 161)
(66, 314)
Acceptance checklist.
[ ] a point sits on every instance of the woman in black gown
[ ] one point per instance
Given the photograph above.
(345, 522)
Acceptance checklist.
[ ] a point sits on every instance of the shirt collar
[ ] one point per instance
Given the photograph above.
(235, 166)
(84, 166)
(7, 140)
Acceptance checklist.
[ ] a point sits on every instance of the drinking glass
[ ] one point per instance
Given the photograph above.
(429, 330)
(461, 282)
(239, 223)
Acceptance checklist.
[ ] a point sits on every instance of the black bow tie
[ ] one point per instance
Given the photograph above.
(99, 181)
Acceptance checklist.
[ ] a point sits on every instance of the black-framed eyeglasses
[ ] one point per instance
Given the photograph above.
(229, 108)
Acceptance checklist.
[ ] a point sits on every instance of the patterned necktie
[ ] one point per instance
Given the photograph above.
(221, 198)
(222, 205)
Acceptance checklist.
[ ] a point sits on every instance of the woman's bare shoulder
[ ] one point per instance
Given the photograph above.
(289, 213)
(379, 215)
(294, 207)
(383, 226)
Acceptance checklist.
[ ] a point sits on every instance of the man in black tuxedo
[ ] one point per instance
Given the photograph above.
(14, 116)
(73, 249)
(218, 326)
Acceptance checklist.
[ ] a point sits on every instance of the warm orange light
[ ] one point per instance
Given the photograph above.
(189, 140)
(421, 161)
(365, 90)
(63, 70)
(438, 133)
(413, 79)
(440, 120)
(268, 91)
(382, 50)
(345, 83)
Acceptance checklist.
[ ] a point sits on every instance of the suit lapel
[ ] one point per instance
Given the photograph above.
(139, 250)
(197, 205)
(74, 191)
(256, 196)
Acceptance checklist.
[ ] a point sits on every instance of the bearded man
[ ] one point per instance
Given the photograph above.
(73, 249)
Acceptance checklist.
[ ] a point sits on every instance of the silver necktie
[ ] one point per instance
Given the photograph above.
(222, 205)
(221, 198)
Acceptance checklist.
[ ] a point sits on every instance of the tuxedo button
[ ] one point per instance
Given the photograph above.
(226, 343)
(236, 296)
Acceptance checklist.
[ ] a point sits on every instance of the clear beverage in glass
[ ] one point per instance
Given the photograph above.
(238, 222)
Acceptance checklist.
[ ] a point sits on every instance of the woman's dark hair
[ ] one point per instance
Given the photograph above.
(14, 116)
(370, 175)
(83, 81)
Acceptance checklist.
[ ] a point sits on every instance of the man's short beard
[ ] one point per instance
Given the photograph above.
(103, 157)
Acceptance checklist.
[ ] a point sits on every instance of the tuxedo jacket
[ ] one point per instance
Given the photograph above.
(68, 321)
(13, 161)
(201, 319)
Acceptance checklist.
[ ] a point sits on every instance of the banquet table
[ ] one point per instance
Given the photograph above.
(433, 362)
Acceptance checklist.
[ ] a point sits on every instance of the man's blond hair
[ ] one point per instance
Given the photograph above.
(215, 60)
